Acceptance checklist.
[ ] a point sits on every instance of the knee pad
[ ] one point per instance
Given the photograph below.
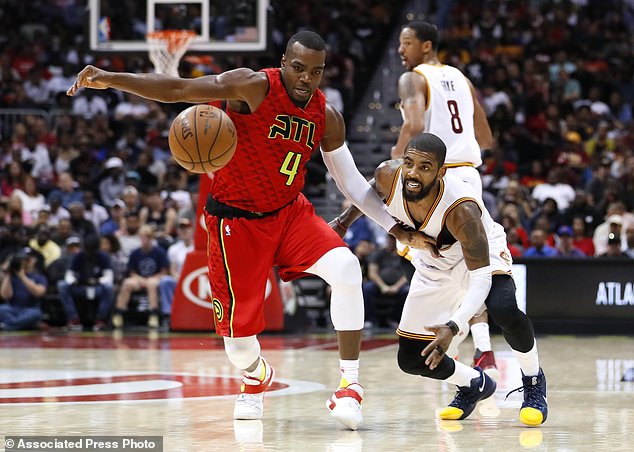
(501, 303)
(342, 271)
(242, 351)
(412, 362)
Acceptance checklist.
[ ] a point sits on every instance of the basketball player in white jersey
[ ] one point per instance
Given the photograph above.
(439, 99)
(470, 265)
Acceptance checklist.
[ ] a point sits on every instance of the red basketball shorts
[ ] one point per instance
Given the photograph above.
(242, 252)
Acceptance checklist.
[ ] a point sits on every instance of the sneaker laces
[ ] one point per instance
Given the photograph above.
(460, 398)
(532, 394)
(250, 400)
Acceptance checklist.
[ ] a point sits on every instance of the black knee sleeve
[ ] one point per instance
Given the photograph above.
(502, 306)
(411, 362)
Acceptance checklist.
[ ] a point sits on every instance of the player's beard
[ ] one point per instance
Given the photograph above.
(419, 195)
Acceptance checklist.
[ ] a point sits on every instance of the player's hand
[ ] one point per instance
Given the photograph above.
(338, 227)
(415, 239)
(90, 77)
(437, 349)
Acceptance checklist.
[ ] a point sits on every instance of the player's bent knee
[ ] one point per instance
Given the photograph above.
(242, 351)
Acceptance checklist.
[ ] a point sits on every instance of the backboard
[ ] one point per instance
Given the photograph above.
(220, 25)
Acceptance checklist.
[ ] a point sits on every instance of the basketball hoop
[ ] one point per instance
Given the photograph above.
(167, 47)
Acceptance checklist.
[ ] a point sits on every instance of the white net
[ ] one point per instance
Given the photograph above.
(166, 49)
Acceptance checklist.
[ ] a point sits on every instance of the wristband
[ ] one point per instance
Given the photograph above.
(345, 228)
(453, 327)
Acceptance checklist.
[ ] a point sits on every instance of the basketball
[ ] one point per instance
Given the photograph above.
(202, 139)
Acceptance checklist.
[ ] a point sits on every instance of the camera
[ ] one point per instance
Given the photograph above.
(15, 264)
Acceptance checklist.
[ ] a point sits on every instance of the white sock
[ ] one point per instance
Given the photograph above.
(349, 371)
(259, 373)
(463, 375)
(529, 361)
(480, 335)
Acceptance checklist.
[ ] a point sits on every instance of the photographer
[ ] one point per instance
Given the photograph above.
(22, 288)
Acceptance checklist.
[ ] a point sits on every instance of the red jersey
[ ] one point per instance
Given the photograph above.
(274, 145)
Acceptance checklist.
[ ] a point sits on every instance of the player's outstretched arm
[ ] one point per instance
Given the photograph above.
(411, 90)
(465, 224)
(239, 84)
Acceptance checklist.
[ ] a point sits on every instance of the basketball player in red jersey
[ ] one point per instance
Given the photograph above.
(256, 215)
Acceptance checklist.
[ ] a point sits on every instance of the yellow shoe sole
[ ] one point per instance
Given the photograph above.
(450, 413)
(531, 417)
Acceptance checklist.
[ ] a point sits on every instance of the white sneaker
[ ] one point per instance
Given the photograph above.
(249, 404)
(345, 405)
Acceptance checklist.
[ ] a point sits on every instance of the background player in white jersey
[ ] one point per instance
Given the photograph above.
(439, 99)
(470, 266)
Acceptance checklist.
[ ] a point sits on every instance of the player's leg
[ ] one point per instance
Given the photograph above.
(340, 269)
(518, 332)
(433, 297)
(311, 246)
(238, 286)
(473, 384)
(483, 356)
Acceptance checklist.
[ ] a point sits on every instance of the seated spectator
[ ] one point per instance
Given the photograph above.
(131, 198)
(581, 240)
(94, 212)
(612, 225)
(57, 211)
(89, 104)
(565, 243)
(81, 227)
(109, 245)
(129, 237)
(386, 282)
(176, 255)
(43, 244)
(22, 288)
(161, 217)
(90, 277)
(113, 182)
(113, 224)
(554, 188)
(31, 198)
(36, 159)
(57, 270)
(12, 179)
(539, 248)
(66, 190)
(613, 249)
(147, 265)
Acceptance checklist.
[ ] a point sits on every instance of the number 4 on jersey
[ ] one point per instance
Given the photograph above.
(290, 166)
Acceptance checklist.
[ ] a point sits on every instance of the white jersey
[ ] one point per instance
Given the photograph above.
(453, 191)
(449, 113)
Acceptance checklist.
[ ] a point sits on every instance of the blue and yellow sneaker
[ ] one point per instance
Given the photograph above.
(467, 397)
(534, 410)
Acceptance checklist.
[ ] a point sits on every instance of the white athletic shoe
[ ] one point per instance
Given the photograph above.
(249, 404)
(345, 405)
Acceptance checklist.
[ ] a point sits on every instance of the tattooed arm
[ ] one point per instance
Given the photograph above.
(465, 224)
(411, 90)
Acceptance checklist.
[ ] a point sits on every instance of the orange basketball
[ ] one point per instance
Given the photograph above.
(202, 139)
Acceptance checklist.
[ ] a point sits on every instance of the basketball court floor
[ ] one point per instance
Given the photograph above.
(181, 387)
